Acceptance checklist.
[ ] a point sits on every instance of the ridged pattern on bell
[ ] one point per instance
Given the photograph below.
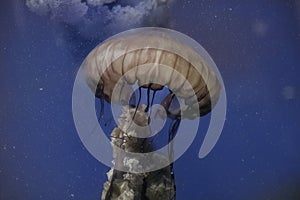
(117, 56)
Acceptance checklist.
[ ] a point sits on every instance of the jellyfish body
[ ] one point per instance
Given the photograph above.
(153, 59)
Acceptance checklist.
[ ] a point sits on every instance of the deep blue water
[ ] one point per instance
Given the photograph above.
(255, 45)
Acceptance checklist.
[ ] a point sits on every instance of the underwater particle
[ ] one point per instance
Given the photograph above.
(260, 28)
(288, 92)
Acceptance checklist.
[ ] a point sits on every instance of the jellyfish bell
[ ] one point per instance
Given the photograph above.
(152, 59)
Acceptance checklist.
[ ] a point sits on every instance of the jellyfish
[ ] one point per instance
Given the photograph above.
(153, 60)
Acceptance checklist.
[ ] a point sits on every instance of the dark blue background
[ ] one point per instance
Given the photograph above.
(256, 46)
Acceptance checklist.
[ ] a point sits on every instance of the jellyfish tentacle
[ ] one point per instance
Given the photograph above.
(172, 132)
(140, 97)
(139, 101)
(132, 101)
(151, 104)
(167, 101)
(148, 97)
(99, 93)
(109, 191)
